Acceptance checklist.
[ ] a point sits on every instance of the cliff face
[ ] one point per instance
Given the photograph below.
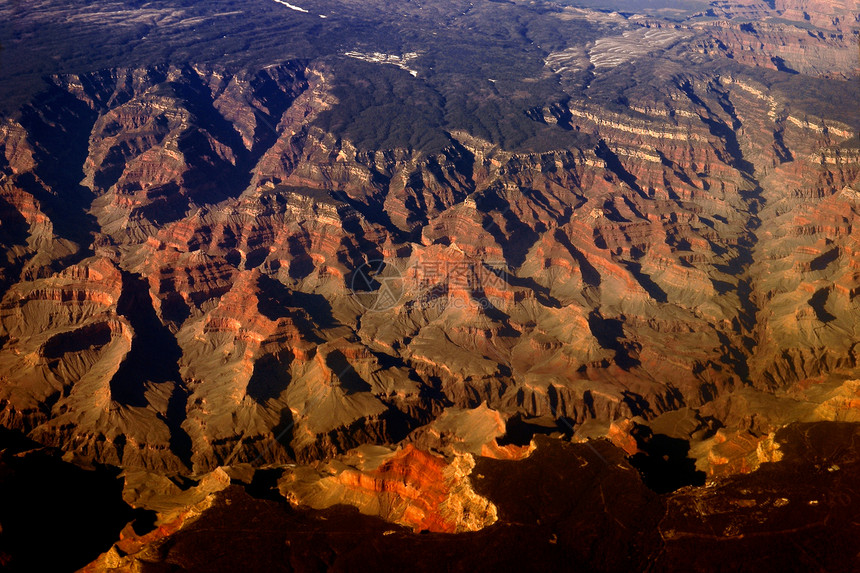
(589, 500)
(168, 137)
(701, 243)
(784, 46)
(838, 15)
(409, 487)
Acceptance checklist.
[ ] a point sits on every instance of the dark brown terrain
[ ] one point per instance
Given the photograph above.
(540, 280)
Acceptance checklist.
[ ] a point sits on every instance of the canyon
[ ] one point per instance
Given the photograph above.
(392, 280)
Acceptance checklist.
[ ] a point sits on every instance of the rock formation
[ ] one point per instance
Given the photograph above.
(375, 268)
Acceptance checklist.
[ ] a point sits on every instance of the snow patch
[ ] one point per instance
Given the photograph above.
(292, 6)
(612, 51)
(393, 59)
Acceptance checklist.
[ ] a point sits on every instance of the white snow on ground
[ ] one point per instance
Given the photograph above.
(393, 59)
(567, 62)
(611, 51)
(292, 6)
